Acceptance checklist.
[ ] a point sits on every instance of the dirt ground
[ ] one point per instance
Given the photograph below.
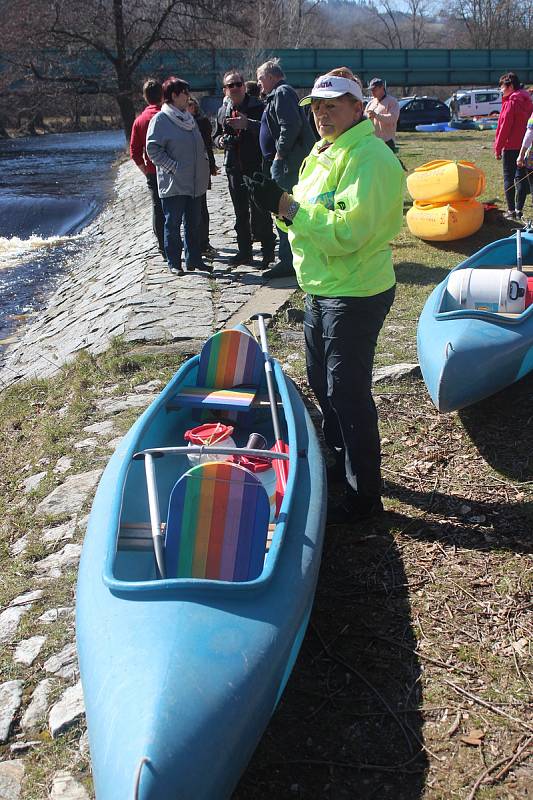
(415, 675)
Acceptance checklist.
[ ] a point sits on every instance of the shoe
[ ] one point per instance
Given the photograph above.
(279, 271)
(241, 258)
(176, 271)
(268, 258)
(163, 255)
(209, 252)
(353, 509)
(202, 267)
(510, 215)
(518, 216)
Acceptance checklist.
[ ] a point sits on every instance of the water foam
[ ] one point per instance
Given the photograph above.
(13, 249)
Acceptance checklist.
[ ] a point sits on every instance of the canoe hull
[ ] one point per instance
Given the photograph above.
(189, 679)
(467, 357)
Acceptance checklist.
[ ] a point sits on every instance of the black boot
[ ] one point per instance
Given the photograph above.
(241, 258)
(353, 508)
(279, 271)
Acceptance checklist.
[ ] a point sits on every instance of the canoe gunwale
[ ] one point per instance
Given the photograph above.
(172, 587)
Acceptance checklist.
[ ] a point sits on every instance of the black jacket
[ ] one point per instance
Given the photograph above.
(241, 148)
(288, 125)
(204, 125)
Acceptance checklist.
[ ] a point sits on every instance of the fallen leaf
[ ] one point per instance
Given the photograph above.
(520, 646)
(474, 738)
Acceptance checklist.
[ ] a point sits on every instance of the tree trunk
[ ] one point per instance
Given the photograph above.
(127, 112)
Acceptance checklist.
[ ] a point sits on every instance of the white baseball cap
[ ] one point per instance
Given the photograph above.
(328, 86)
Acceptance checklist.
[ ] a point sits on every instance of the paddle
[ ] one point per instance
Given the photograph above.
(519, 265)
(281, 468)
(155, 517)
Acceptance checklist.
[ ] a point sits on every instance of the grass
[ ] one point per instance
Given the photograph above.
(432, 599)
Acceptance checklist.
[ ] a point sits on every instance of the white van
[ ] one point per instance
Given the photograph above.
(478, 102)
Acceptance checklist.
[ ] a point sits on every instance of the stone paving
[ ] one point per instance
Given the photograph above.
(122, 287)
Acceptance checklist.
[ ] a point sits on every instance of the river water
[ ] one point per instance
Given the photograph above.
(51, 188)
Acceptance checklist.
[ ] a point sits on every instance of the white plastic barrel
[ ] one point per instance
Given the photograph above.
(489, 289)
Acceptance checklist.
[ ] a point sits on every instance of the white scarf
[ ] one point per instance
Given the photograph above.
(183, 119)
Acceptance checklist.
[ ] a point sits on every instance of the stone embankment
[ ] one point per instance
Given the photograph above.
(122, 287)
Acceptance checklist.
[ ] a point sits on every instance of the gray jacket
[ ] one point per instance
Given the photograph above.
(288, 125)
(179, 156)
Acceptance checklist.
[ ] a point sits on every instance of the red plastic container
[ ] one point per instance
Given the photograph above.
(529, 292)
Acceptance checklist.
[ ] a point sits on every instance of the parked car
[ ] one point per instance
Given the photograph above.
(478, 102)
(421, 111)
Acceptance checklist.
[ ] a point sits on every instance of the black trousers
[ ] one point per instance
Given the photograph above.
(203, 232)
(340, 341)
(158, 218)
(251, 222)
(515, 183)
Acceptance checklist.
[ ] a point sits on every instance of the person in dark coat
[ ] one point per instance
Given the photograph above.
(242, 156)
(286, 139)
(204, 126)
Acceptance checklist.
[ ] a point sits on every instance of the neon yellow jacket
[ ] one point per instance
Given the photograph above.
(351, 207)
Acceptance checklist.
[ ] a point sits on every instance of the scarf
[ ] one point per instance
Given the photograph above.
(183, 119)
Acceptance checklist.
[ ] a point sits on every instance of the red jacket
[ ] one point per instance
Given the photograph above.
(138, 138)
(512, 122)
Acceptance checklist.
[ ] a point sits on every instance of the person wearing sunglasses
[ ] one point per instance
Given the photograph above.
(242, 157)
(175, 145)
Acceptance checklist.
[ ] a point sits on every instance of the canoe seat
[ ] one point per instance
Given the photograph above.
(229, 374)
(217, 524)
(136, 536)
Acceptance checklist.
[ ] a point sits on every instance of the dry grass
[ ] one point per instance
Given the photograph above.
(414, 680)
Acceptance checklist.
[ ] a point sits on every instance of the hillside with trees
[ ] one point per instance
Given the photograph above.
(73, 61)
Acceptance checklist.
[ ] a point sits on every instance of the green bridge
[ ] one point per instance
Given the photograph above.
(203, 69)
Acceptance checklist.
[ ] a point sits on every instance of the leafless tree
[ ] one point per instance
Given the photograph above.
(399, 25)
(101, 45)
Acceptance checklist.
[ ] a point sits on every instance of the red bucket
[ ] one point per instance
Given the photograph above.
(209, 435)
(529, 292)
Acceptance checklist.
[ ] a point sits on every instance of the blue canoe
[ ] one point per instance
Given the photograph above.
(181, 674)
(468, 355)
(462, 125)
(432, 127)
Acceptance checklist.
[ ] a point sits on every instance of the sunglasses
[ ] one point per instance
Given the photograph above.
(235, 85)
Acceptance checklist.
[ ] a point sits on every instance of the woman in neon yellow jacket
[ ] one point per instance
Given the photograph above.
(341, 218)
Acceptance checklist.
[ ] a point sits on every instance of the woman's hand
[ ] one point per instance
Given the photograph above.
(284, 203)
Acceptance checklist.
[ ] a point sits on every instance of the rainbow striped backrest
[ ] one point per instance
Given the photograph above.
(230, 358)
(217, 524)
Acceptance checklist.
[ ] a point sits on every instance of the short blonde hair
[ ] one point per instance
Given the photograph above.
(344, 72)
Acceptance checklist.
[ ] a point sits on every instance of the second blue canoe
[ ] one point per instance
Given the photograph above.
(467, 355)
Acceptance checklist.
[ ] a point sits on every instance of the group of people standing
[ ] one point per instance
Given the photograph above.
(337, 203)
(271, 137)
